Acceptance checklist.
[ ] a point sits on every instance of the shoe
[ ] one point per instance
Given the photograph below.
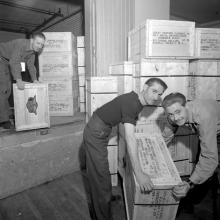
(6, 125)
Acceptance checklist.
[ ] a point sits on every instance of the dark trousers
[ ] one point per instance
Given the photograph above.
(5, 91)
(95, 140)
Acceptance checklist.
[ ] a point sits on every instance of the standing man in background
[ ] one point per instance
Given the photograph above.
(12, 53)
(123, 109)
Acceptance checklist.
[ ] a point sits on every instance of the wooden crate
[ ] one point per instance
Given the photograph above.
(59, 86)
(82, 107)
(204, 81)
(81, 70)
(64, 105)
(82, 94)
(161, 38)
(175, 73)
(207, 43)
(123, 71)
(80, 41)
(81, 56)
(102, 84)
(94, 101)
(82, 80)
(31, 106)
(157, 163)
(59, 42)
(184, 167)
(55, 64)
(113, 163)
(99, 90)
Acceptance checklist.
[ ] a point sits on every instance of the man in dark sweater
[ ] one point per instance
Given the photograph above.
(123, 109)
(12, 53)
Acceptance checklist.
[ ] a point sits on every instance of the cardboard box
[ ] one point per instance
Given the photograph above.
(161, 38)
(31, 106)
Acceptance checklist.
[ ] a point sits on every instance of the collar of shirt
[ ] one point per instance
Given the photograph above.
(191, 123)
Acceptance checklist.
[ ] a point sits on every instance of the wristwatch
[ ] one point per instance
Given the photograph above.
(191, 184)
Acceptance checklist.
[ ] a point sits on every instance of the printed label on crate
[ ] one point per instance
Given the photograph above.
(62, 106)
(57, 64)
(207, 42)
(59, 41)
(155, 160)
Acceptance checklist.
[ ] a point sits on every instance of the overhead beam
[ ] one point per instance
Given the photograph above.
(15, 5)
(44, 23)
(4, 21)
(21, 31)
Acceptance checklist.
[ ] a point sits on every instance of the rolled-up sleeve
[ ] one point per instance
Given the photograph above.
(31, 67)
(208, 159)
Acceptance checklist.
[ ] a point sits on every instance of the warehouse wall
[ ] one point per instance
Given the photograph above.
(151, 9)
(106, 26)
(7, 36)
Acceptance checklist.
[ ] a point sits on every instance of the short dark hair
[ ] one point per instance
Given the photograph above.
(153, 80)
(38, 34)
(174, 98)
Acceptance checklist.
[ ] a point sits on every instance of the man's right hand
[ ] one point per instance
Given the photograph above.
(144, 182)
(20, 84)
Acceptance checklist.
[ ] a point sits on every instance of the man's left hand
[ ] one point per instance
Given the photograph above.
(181, 190)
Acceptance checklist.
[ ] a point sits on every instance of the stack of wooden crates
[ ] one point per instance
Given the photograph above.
(58, 67)
(81, 71)
(162, 49)
(205, 69)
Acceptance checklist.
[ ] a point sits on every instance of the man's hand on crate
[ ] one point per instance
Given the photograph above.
(144, 182)
(181, 190)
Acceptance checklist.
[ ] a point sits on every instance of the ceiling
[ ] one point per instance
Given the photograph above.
(200, 11)
(27, 16)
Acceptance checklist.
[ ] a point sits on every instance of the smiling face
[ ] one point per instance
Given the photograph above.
(37, 44)
(152, 94)
(177, 113)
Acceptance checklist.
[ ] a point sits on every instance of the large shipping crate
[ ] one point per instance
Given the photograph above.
(204, 79)
(161, 38)
(124, 72)
(57, 64)
(60, 42)
(63, 95)
(100, 90)
(31, 106)
(113, 156)
(207, 43)
(175, 73)
(155, 160)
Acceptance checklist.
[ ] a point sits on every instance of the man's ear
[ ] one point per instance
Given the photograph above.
(145, 87)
